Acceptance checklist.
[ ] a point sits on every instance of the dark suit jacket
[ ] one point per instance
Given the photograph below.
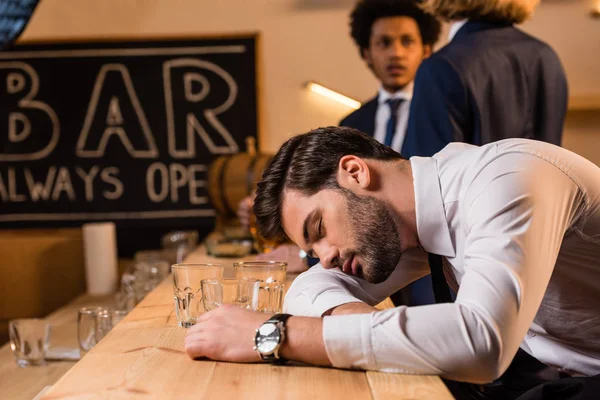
(489, 83)
(363, 119)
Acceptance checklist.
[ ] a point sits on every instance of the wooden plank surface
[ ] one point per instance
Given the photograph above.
(407, 387)
(143, 357)
(25, 383)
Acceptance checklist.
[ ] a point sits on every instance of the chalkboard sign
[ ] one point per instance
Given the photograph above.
(120, 131)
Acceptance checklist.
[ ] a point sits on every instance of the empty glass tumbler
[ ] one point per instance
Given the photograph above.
(93, 323)
(272, 276)
(187, 289)
(239, 292)
(29, 340)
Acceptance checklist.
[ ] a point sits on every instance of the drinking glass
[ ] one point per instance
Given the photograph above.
(127, 297)
(29, 340)
(240, 292)
(187, 289)
(93, 323)
(272, 275)
(109, 319)
(261, 244)
(178, 244)
(149, 274)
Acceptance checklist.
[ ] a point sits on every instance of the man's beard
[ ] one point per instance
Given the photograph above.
(376, 234)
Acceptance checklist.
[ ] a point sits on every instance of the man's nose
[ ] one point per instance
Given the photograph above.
(327, 254)
(396, 49)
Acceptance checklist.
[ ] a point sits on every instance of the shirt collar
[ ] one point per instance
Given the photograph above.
(455, 27)
(404, 94)
(432, 226)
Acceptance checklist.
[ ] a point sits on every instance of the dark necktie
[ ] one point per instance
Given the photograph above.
(441, 292)
(393, 121)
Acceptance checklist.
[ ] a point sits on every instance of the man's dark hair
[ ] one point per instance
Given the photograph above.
(366, 12)
(308, 163)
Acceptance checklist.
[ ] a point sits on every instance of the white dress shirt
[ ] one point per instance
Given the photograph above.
(518, 224)
(383, 113)
(455, 27)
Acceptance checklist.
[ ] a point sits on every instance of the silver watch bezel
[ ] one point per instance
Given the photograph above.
(274, 354)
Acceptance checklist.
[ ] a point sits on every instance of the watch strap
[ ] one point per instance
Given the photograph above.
(279, 318)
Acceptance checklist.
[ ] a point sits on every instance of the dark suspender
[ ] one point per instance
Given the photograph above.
(441, 292)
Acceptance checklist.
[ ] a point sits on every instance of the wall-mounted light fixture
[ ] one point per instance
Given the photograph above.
(333, 95)
(595, 13)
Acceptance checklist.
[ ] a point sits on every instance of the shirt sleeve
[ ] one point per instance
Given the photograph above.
(318, 290)
(515, 220)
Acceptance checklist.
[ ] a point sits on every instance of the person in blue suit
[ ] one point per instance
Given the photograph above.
(393, 38)
(492, 81)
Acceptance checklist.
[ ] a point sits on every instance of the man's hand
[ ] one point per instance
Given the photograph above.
(225, 334)
(244, 210)
(288, 253)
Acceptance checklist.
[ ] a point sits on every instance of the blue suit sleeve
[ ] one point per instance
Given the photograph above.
(439, 111)
(552, 98)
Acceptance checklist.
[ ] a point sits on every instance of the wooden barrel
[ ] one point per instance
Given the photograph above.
(233, 177)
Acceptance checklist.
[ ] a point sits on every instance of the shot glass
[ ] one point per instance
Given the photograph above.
(239, 292)
(93, 323)
(272, 276)
(29, 340)
(187, 289)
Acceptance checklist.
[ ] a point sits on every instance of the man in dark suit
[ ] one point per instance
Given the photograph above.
(393, 37)
(491, 82)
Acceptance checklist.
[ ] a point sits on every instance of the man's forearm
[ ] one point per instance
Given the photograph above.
(304, 341)
(304, 335)
(357, 307)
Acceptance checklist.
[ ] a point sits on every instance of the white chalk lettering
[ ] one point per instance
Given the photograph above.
(3, 192)
(163, 182)
(96, 132)
(15, 82)
(187, 115)
(188, 80)
(45, 134)
(114, 116)
(13, 194)
(88, 180)
(109, 175)
(196, 183)
(63, 184)
(13, 135)
(40, 190)
(178, 177)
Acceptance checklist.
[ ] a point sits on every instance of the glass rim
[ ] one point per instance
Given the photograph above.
(112, 313)
(260, 264)
(229, 281)
(181, 266)
(93, 309)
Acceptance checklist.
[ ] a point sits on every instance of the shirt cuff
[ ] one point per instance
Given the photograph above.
(347, 341)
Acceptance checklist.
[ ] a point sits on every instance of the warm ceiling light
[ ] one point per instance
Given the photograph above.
(596, 9)
(333, 95)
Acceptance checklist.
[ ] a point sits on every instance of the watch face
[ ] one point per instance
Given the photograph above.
(267, 347)
(267, 338)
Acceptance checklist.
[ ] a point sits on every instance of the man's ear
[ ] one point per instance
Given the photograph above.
(366, 56)
(353, 173)
(427, 50)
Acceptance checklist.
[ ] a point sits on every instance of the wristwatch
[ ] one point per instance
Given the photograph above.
(269, 338)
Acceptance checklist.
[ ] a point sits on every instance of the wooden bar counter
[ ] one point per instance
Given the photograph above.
(143, 357)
